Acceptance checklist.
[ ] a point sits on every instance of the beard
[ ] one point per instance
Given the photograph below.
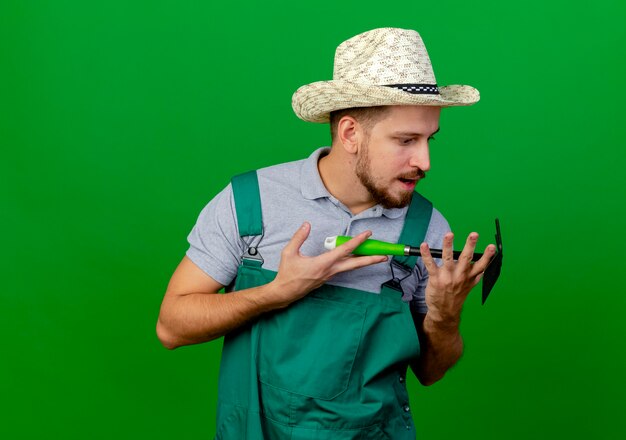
(379, 193)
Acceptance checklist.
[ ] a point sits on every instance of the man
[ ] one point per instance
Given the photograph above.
(317, 343)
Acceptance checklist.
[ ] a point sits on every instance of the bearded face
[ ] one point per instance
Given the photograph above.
(388, 191)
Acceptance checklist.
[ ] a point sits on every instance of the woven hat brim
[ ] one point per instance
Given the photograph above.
(314, 102)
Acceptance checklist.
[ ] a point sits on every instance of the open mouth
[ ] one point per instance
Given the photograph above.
(409, 184)
(412, 179)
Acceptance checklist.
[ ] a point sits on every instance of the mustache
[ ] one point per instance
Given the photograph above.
(419, 174)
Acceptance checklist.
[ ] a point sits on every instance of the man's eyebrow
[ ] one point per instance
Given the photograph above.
(411, 133)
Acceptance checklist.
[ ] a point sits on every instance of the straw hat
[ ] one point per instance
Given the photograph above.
(386, 66)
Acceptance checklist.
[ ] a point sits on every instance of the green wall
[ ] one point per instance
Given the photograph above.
(120, 120)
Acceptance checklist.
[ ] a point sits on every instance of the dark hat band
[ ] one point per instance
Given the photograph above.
(417, 89)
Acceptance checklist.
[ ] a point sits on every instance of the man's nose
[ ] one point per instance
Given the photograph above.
(420, 157)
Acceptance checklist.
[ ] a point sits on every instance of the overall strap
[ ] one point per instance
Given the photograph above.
(248, 203)
(415, 226)
(249, 215)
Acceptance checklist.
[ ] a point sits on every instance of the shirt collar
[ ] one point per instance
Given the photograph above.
(312, 187)
(311, 184)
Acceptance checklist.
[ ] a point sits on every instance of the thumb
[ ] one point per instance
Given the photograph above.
(299, 237)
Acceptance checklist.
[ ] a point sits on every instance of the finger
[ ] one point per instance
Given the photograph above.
(468, 249)
(427, 258)
(298, 238)
(484, 261)
(346, 249)
(477, 279)
(358, 262)
(447, 254)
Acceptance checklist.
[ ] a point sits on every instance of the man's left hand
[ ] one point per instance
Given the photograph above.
(450, 283)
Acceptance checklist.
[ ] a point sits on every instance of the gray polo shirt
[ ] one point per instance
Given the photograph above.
(292, 193)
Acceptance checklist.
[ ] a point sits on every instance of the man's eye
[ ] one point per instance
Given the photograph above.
(409, 141)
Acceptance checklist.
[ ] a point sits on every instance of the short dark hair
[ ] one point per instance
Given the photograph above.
(367, 116)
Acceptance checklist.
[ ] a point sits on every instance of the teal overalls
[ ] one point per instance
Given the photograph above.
(330, 366)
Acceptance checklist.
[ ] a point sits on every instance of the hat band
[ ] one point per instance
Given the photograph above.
(417, 89)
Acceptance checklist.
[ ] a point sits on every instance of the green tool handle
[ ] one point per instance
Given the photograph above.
(373, 247)
(377, 247)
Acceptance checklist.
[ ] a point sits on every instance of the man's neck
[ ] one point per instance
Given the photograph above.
(339, 178)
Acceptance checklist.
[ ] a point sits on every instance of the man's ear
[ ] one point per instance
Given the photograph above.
(348, 131)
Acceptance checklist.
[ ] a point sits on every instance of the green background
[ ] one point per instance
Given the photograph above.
(120, 120)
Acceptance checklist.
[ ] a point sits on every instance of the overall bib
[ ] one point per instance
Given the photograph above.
(330, 366)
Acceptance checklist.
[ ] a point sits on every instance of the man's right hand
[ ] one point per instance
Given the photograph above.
(298, 275)
(192, 312)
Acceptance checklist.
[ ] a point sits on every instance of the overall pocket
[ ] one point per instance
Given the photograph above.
(309, 348)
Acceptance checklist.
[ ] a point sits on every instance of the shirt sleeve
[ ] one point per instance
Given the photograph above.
(437, 228)
(214, 242)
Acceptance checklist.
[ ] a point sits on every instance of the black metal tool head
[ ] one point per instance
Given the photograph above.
(495, 266)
